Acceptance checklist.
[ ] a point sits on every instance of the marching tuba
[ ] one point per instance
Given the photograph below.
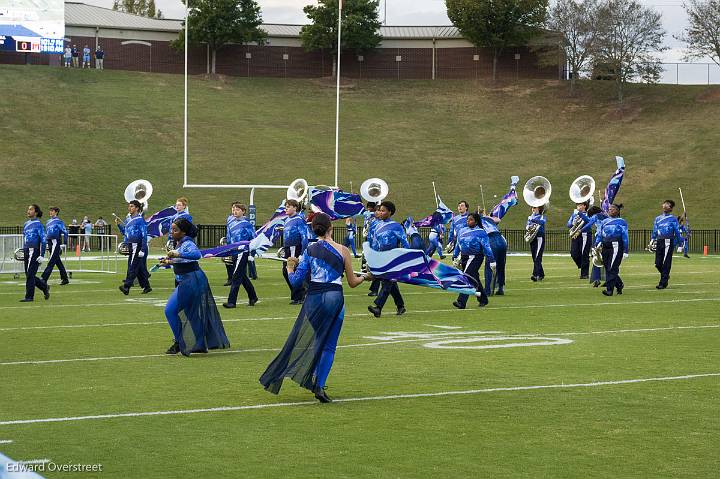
(581, 191)
(373, 190)
(140, 190)
(536, 193)
(19, 255)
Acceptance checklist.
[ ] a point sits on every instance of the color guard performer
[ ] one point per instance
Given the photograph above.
(386, 235)
(612, 233)
(594, 218)
(537, 245)
(57, 238)
(309, 352)
(199, 327)
(474, 245)
(135, 231)
(459, 221)
(350, 229)
(666, 234)
(181, 208)
(435, 240)
(686, 233)
(240, 229)
(496, 278)
(34, 254)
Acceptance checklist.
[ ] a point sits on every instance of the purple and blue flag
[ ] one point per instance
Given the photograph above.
(336, 204)
(159, 223)
(614, 184)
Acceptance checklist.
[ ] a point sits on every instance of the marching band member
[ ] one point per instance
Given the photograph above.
(612, 233)
(595, 216)
(295, 240)
(580, 245)
(666, 233)
(57, 237)
(181, 208)
(350, 229)
(537, 245)
(370, 215)
(475, 246)
(386, 234)
(309, 351)
(498, 243)
(240, 229)
(458, 222)
(435, 240)
(135, 231)
(686, 232)
(34, 254)
(200, 327)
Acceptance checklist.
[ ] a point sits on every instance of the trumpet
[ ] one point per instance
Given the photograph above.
(19, 255)
(225, 259)
(124, 249)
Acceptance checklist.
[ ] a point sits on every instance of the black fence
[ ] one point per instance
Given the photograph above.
(556, 240)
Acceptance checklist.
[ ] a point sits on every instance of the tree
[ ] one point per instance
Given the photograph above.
(136, 7)
(576, 22)
(219, 22)
(360, 26)
(498, 24)
(703, 34)
(628, 38)
(151, 11)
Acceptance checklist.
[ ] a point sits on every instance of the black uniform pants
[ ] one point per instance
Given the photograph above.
(31, 269)
(471, 267)
(239, 278)
(663, 258)
(296, 294)
(537, 248)
(389, 288)
(137, 267)
(612, 254)
(580, 252)
(55, 260)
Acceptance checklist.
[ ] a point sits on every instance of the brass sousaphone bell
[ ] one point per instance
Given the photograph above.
(374, 190)
(581, 190)
(536, 193)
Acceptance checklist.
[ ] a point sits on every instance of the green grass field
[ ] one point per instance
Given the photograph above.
(76, 138)
(626, 386)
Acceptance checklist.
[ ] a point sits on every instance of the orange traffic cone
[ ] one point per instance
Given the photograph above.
(77, 250)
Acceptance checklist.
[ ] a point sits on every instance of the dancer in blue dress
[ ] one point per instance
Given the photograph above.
(191, 310)
(309, 351)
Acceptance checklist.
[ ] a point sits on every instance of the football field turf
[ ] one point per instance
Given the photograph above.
(553, 379)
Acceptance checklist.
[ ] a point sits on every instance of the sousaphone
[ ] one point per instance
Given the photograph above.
(581, 191)
(536, 193)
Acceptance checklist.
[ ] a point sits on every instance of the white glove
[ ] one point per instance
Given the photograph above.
(680, 249)
(40, 259)
(251, 258)
(493, 266)
(625, 255)
(141, 254)
(457, 262)
(63, 247)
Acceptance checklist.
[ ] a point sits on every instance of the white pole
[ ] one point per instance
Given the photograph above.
(482, 194)
(683, 201)
(435, 193)
(252, 196)
(185, 107)
(337, 96)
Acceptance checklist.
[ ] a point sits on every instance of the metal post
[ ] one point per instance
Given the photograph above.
(708, 65)
(337, 96)
(677, 73)
(185, 106)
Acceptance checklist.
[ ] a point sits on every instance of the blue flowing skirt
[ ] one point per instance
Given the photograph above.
(323, 307)
(201, 326)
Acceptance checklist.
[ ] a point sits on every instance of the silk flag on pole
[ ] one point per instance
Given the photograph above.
(415, 267)
(159, 223)
(336, 204)
(441, 215)
(614, 184)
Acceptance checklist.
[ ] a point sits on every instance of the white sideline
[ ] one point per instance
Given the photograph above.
(411, 312)
(358, 399)
(358, 345)
(6, 441)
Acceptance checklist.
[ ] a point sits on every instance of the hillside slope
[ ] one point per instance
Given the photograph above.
(76, 138)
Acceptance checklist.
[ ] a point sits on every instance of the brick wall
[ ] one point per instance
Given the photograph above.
(270, 61)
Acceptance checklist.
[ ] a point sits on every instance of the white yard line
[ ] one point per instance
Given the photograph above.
(367, 315)
(361, 399)
(359, 345)
(6, 441)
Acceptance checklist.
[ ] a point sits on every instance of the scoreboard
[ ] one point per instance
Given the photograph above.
(32, 26)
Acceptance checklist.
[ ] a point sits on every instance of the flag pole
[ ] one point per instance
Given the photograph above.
(436, 198)
(337, 96)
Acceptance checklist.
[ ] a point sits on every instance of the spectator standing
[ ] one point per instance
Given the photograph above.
(99, 57)
(68, 57)
(75, 56)
(74, 230)
(86, 226)
(86, 57)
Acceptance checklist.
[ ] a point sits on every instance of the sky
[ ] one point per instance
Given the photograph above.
(424, 12)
